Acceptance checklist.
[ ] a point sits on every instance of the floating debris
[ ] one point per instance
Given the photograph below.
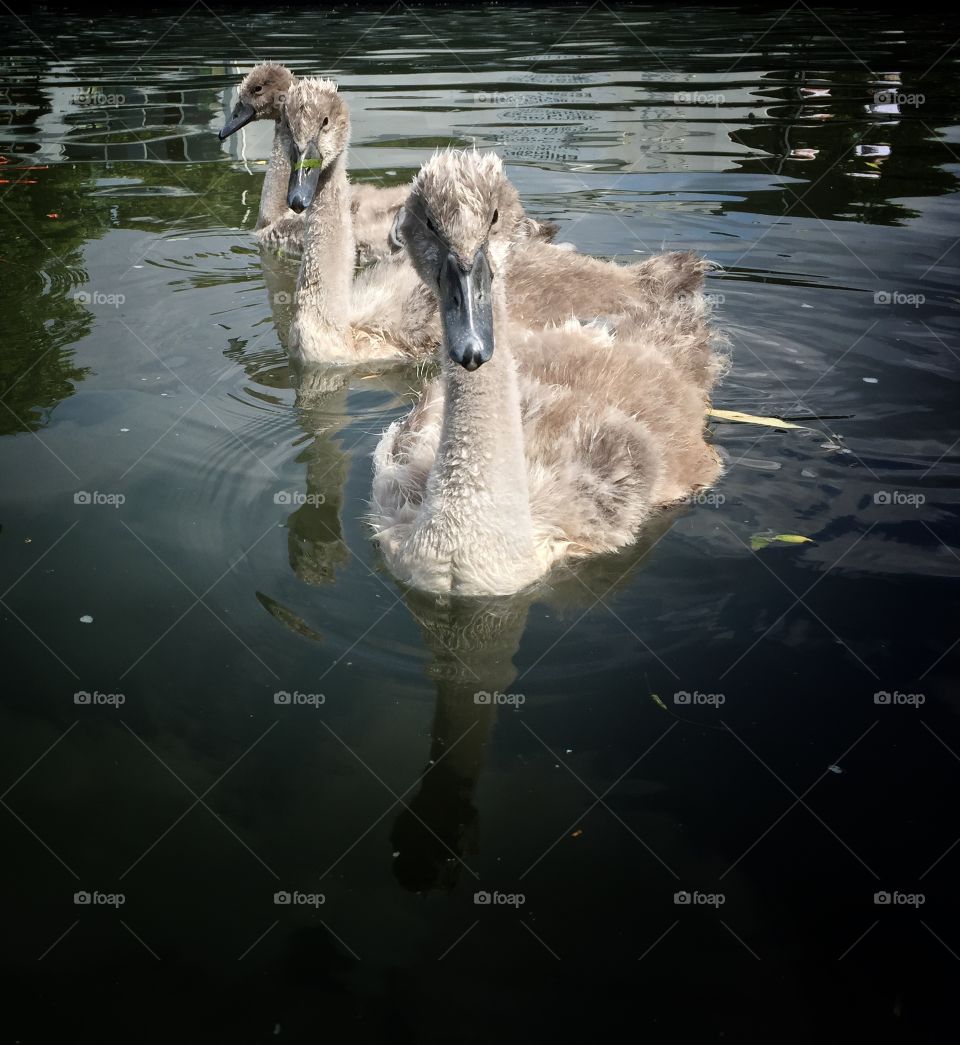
(750, 419)
(761, 540)
(86, 619)
(759, 465)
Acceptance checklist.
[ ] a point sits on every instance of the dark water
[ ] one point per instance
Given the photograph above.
(237, 565)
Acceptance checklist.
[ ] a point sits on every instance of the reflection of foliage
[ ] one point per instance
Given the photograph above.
(47, 216)
(836, 187)
(42, 266)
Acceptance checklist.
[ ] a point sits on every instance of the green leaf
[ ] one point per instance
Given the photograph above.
(308, 165)
(761, 540)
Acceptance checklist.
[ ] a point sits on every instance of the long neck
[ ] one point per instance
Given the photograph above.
(477, 491)
(273, 198)
(325, 282)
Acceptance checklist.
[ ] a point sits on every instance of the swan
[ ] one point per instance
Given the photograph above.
(535, 445)
(383, 314)
(260, 97)
(373, 210)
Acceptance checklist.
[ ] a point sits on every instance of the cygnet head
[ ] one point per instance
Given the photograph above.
(260, 96)
(456, 228)
(318, 121)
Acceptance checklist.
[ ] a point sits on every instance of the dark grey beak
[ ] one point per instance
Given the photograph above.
(242, 115)
(304, 176)
(466, 310)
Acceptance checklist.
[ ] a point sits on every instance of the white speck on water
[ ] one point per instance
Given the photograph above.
(805, 305)
(391, 172)
(396, 853)
(124, 429)
(835, 769)
(568, 751)
(808, 473)
(86, 619)
(759, 465)
(870, 380)
(165, 394)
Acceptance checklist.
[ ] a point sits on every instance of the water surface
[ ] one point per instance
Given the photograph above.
(182, 525)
